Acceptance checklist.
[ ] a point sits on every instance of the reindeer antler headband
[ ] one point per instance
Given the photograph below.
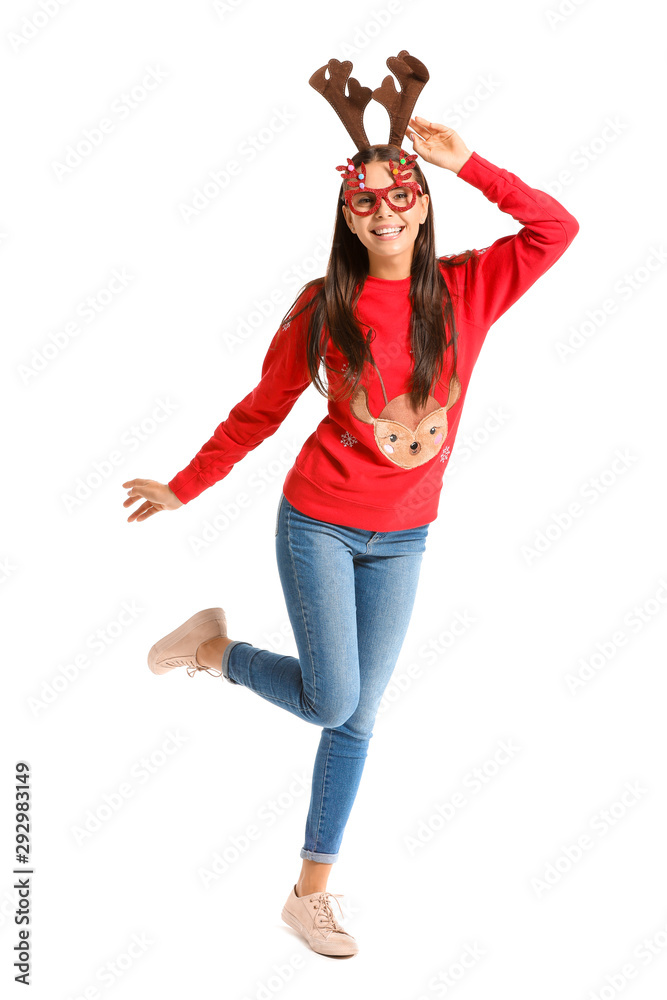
(410, 73)
(412, 76)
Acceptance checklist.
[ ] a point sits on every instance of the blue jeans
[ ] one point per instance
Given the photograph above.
(349, 595)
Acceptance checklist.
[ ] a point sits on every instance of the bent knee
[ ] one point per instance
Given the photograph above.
(332, 715)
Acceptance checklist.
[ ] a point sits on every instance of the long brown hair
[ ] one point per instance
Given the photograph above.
(331, 307)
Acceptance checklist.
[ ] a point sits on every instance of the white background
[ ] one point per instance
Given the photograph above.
(534, 92)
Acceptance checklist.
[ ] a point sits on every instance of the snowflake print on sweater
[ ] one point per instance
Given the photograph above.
(348, 440)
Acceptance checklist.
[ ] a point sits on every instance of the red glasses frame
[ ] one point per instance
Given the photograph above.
(354, 178)
(382, 193)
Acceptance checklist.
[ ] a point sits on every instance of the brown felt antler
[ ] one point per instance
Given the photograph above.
(350, 109)
(410, 73)
(412, 76)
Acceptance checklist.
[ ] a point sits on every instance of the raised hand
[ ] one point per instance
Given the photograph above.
(158, 497)
(437, 144)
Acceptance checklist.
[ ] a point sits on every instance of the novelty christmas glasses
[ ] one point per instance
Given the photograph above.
(400, 196)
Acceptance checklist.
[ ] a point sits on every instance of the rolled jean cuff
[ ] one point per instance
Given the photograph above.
(225, 658)
(326, 859)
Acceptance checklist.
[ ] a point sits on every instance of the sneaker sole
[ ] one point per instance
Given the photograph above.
(200, 618)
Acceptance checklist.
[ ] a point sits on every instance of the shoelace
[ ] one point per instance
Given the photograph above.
(325, 918)
(214, 671)
(196, 667)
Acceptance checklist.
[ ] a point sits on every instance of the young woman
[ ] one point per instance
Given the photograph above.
(399, 331)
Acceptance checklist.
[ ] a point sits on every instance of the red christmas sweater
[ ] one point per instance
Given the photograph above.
(372, 462)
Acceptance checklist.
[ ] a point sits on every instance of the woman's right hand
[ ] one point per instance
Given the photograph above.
(158, 497)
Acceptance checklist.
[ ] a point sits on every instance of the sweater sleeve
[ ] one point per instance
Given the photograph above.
(495, 277)
(258, 415)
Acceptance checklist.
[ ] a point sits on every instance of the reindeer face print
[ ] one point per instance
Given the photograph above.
(407, 437)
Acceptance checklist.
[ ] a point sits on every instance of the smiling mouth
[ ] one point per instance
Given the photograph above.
(387, 233)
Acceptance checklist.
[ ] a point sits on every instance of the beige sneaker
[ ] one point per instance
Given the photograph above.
(179, 648)
(314, 919)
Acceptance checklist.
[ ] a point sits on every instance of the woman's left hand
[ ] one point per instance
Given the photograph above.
(437, 144)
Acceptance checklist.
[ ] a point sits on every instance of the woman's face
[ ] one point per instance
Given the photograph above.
(369, 228)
